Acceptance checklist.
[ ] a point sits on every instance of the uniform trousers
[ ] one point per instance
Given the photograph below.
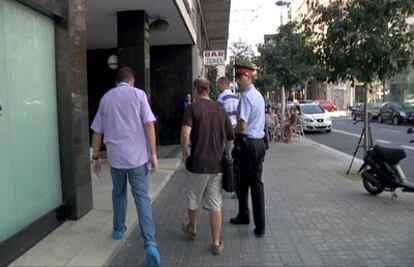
(249, 157)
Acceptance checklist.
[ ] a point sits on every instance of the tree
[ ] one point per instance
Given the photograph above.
(241, 53)
(212, 74)
(364, 40)
(289, 58)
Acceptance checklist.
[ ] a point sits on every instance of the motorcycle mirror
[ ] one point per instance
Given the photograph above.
(410, 130)
(412, 141)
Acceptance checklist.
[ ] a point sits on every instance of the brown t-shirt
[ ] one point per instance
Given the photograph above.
(207, 120)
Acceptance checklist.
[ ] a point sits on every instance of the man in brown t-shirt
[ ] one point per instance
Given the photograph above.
(209, 129)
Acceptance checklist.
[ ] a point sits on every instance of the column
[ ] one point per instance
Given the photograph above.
(72, 99)
(133, 45)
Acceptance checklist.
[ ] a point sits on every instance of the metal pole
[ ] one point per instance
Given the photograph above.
(351, 98)
(234, 74)
(282, 3)
(281, 17)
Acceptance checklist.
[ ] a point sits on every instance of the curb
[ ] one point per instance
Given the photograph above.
(335, 151)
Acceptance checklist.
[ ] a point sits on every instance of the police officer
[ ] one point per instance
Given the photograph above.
(250, 150)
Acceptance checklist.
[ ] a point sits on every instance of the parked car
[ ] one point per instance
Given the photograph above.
(326, 105)
(314, 118)
(305, 101)
(357, 111)
(396, 113)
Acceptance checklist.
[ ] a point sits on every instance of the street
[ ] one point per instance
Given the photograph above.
(345, 135)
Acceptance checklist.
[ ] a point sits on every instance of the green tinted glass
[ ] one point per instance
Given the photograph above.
(30, 184)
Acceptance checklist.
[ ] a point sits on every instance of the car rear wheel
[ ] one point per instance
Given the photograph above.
(395, 120)
(380, 119)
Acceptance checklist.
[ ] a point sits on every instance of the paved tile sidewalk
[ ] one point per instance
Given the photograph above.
(315, 217)
(87, 242)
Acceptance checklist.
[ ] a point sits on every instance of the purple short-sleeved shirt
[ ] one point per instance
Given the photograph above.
(121, 117)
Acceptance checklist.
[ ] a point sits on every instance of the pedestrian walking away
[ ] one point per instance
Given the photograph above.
(209, 129)
(249, 151)
(126, 123)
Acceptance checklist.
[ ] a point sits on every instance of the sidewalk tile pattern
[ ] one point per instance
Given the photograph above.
(315, 217)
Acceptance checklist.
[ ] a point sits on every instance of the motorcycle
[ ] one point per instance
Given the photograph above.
(382, 171)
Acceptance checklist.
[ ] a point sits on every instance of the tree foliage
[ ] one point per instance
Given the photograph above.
(289, 58)
(241, 53)
(212, 75)
(364, 39)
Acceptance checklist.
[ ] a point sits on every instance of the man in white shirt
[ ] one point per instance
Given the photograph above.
(227, 99)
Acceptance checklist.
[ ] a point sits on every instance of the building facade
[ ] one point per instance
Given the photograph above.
(58, 58)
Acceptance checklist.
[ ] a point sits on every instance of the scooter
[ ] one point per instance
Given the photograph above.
(382, 171)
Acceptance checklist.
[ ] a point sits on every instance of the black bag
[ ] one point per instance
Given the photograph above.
(228, 182)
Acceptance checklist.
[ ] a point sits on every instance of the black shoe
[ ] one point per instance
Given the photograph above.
(259, 233)
(237, 220)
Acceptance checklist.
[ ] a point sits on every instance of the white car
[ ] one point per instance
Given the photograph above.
(314, 118)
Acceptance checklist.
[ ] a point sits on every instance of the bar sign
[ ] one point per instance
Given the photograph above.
(214, 57)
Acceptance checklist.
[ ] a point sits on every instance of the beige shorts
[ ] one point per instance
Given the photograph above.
(205, 189)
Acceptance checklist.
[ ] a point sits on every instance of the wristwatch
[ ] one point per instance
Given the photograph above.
(95, 158)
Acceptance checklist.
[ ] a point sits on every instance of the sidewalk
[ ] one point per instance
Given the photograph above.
(87, 242)
(316, 216)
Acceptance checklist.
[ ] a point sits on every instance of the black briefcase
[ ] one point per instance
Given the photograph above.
(228, 182)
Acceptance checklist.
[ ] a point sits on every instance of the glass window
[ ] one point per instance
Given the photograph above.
(30, 183)
(406, 106)
(311, 109)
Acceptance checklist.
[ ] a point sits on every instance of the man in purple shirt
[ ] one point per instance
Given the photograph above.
(126, 122)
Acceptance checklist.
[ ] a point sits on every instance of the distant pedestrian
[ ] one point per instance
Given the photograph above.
(208, 127)
(291, 125)
(126, 122)
(229, 101)
(188, 100)
(250, 151)
(271, 123)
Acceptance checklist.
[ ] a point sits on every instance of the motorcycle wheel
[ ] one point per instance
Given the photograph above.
(372, 188)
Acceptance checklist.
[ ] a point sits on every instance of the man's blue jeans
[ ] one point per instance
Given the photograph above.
(138, 179)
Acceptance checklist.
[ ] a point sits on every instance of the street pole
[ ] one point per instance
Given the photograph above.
(234, 74)
(283, 87)
(280, 4)
(351, 100)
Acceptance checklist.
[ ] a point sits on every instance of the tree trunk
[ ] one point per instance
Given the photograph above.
(283, 105)
(366, 121)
